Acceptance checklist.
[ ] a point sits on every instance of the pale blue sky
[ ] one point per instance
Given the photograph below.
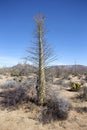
(66, 22)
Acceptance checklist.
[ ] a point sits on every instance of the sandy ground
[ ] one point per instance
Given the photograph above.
(22, 120)
(19, 120)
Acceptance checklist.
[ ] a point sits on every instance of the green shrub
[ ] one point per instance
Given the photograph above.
(85, 73)
(15, 74)
(75, 86)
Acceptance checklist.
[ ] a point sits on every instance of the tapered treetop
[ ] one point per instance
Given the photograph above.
(39, 18)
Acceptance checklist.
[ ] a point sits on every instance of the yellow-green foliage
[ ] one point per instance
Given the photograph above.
(75, 86)
(15, 74)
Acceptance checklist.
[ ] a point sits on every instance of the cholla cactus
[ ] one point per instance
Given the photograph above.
(75, 86)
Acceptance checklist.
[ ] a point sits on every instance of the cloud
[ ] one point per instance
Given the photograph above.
(9, 61)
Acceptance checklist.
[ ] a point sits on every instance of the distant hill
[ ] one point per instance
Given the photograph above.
(22, 69)
(68, 69)
(25, 69)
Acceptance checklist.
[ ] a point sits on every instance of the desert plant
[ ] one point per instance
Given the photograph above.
(15, 74)
(85, 77)
(85, 93)
(20, 79)
(81, 109)
(85, 73)
(75, 86)
(13, 98)
(57, 108)
(40, 56)
(9, 84)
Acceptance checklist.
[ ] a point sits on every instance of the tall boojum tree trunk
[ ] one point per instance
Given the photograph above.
(41, 94)
(40, 56)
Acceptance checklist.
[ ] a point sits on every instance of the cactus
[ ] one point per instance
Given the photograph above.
(75, 86)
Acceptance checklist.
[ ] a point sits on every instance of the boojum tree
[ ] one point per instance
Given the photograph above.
(40, 55)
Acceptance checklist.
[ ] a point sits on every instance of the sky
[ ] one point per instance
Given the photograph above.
(66, 23)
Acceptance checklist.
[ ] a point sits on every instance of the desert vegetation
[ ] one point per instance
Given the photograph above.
(40, 96)
(66, 100)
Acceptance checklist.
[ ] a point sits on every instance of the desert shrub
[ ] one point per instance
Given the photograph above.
(18, 79)
(9, 84)
(58, 81)
(82, 82)
(13, 98)
(69, 77)
(75, 86)
(49, 79)
(66, 83)
(85, 93)
(15, 74)
(75, 74)
(15, 78)
(15, 94)
(85, 73)
(86, 78)
(31, 90)
(57, 109)
(81, 109)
